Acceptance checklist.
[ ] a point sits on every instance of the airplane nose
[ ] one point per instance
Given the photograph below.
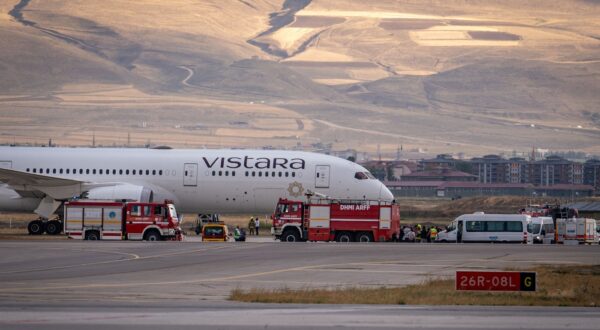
(385, 194)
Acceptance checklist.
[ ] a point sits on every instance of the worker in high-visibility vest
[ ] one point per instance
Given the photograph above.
(433, 233)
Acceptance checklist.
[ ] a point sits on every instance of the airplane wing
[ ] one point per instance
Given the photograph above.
(26, 184)
(18, 179)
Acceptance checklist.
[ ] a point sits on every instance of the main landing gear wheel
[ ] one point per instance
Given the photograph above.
(53, 227)
(36, 227)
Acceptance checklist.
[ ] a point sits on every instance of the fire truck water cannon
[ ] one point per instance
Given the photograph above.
(322, 218)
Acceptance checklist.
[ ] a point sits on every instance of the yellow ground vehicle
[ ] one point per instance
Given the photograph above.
(215, 232)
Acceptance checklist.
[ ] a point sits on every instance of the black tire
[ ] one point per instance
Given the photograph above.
(53, 227)
(92, 235)
(364, 237)
(290, 235)
(36, 227)
(153, 236)
(344, 237)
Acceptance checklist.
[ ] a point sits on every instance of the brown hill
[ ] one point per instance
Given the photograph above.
(476, 76)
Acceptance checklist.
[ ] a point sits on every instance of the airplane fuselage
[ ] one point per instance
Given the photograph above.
(198, 181)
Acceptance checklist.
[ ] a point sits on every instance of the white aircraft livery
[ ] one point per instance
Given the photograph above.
(34, 179)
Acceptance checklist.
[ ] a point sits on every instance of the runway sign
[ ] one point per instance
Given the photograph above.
(495, 281)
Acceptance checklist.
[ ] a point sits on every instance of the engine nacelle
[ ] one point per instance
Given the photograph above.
(122, 191)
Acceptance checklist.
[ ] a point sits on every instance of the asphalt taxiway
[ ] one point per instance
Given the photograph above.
(72, 283)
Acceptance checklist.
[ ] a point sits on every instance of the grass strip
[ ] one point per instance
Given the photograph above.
(556, 286)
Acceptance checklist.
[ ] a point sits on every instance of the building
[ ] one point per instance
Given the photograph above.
(491, 169)
(444, 174)
(439, 162)
(556, 170)
(591, 174)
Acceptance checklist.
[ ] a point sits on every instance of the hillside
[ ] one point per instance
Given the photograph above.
(472, 76)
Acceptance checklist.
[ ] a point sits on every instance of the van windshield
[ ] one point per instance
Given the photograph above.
(534, 228)
(451, 227)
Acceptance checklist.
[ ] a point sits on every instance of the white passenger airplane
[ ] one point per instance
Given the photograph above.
(197, 181)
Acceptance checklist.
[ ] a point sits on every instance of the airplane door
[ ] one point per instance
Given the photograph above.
(6, 164)
(322, 176)
(190, 174)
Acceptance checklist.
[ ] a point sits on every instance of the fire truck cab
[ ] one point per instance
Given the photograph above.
(94, 220)
(326, 219)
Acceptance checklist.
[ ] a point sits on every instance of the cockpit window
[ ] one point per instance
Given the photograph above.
(369, 175)
(360, 176)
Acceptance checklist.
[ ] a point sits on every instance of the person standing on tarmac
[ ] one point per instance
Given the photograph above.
(256, 225)
(418, 233)
(251, 226)
(433, 233)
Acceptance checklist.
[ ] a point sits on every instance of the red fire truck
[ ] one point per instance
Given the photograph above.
(326, 219)
(94, 220)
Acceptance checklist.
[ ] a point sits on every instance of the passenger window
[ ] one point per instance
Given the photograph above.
(53, 171)
(87, 171)
(127, 172)
(160, 172)
(494, 226)
(266, 173)
(133, 172)
(147, 172)
(153, 172)
(232, 173)
(293, 174)
(514, 226)
(474, 226)
(100, 171)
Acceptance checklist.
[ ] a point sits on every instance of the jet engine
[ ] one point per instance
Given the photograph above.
(121, 192)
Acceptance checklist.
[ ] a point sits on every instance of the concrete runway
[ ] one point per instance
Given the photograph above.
(71, 283)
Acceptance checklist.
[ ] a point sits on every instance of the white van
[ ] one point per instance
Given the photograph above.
(540, 229)
(486, 228)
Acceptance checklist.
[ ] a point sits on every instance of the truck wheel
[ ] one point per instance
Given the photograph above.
(364, 237)
(153, 236)
(290, 235)
(92, 235)
(36, 227)
(344, 237)
(53, 227)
